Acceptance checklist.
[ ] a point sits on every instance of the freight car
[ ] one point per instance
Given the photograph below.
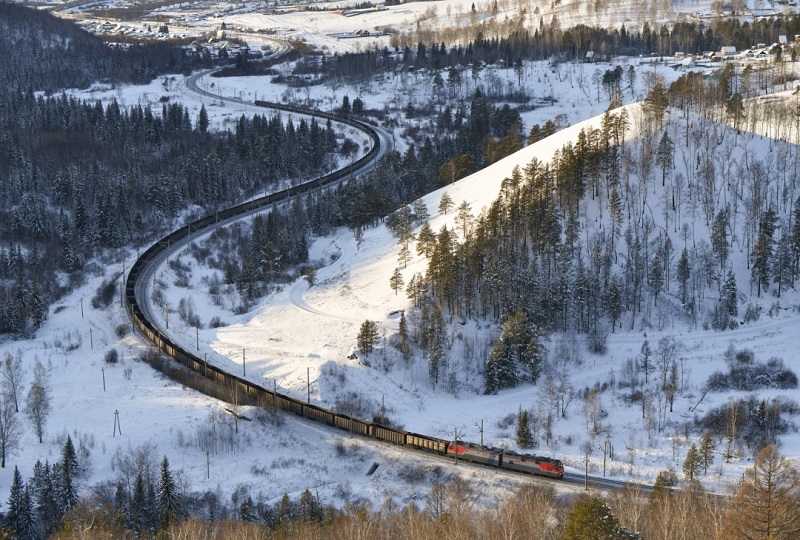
(265, 397)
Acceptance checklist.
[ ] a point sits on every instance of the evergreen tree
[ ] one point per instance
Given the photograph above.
(706, 451)
(426, 240)
(614, 300)
(68, 470)
(367, 337)
(247, 510)
(308, 508)
(665, 481)
(591, 519)
(202, 120)
(516, 356)
(692, 464)
(139, 509)
(524, 436)
(396, 281)
(664, 154)
(684, 273)
(14, 505)
(445, 204)
(402, 333)
(656, 277)
(762, 249)
(644, 360)
(730, 296)
(44, 494)
(420, 210)
(169, 503)
(286, 511)
(719, 236)
(27, 520)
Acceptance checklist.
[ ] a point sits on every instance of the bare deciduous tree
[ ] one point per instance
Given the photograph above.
(37, 403)
(10, 429)
(13, 374)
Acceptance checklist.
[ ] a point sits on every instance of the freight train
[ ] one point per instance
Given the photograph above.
(249, 392)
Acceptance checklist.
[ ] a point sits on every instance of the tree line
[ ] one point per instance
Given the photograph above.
(75, 181)
(764, 504)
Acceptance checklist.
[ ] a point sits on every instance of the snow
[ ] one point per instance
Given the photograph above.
(300, 327)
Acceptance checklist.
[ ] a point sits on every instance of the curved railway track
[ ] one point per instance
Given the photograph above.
(249, 392)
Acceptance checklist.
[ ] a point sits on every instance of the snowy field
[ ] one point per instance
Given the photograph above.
(300, 329)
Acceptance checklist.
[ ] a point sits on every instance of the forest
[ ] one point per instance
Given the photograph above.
(147, 501)
(633, 225)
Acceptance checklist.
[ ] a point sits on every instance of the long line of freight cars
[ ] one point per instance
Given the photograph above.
(254, 393)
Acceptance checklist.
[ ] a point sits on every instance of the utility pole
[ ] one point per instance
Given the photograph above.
(81, 307)
(91, 341)
(586, 472)
(274, 396)
(605, 453)
(455, 445)
(103, 369)
(197, 336)
(244, 365)
(122, 283)
(117, 425)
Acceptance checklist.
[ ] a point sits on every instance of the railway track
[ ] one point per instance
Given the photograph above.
(247, 391)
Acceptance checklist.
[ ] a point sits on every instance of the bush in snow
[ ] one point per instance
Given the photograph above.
(746, 373)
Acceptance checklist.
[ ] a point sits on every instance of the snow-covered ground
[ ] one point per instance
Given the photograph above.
(299, 328)
(329, 27)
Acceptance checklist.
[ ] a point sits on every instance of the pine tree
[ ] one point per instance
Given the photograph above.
(524, 437)
(44, 494)
(426, 240)
(396, 281)
(420, 210)
(445, 204)
(644, 360)
(169, 503)
(719, 236)
(68, 470)
(762, 250)
(367, 337)
(286, 511)
(706, 451)
(665, 481)
(202, 120)
(402, 333)
(464, 218)
(664, 154)
(247, 510)
(614, 301)
(692, 464)
(591, 519)
(656, 277)
(516, 356)
(15, 503)
(403, 257)
(308, 508)
(27, 521)
(684, 273)
(139, 508)
(730, 296)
